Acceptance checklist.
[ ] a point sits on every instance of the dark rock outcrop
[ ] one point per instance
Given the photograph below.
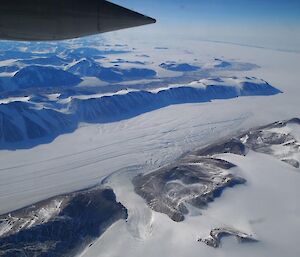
(216, 235)
(60, 226)
(193, 180)
(273, 139)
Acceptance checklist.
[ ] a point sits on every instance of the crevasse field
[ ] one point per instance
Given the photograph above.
(84, 126)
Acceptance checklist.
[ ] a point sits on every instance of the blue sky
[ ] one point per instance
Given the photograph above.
(274, 23)
(267, 11)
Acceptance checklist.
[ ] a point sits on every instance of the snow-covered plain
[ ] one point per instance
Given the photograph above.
(266, 206)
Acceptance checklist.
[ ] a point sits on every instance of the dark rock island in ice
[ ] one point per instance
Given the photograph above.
(193, 180)
(216, 235)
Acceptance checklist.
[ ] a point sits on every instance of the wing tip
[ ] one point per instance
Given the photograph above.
(151, 20)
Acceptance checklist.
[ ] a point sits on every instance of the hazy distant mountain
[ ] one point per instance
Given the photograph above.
(41, 76)
(51, 60)
(90, 68)
(179, 67)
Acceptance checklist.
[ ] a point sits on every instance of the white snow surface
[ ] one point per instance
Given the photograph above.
(267, 206)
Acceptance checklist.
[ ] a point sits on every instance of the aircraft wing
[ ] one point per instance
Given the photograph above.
(40, 20)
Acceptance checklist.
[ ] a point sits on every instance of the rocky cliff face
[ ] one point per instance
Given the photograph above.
(43, 116)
